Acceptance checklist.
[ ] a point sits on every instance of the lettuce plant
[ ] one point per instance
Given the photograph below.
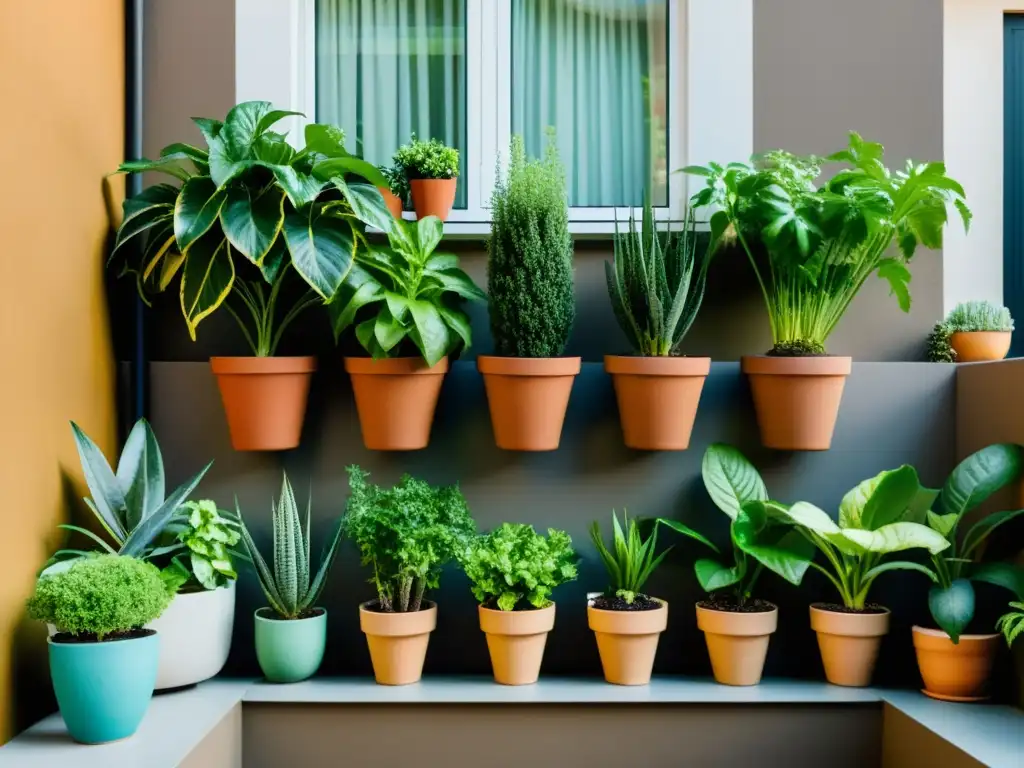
(199, 543)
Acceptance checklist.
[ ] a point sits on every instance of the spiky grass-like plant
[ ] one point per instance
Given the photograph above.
(632, 559)
(978, 316)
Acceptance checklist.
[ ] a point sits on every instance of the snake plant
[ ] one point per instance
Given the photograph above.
(291, 592)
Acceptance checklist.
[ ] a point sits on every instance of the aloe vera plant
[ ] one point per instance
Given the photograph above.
(289, 588)
(632, 559)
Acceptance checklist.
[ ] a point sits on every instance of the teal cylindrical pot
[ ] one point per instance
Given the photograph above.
(290, 650)
(103, 689)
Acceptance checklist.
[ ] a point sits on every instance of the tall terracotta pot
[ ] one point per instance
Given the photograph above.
(797, 399)
(516, 640)
(849, 644)
(396, 399)
(737, 643)
(528, 398)
(433, 197)
(980, 346)
(392, 201)
(955, 672)
(627, 642)
(657, 398)
(398, 642)
(264, 399)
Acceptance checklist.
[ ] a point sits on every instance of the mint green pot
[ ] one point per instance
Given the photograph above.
(103, 689)
(290, 650)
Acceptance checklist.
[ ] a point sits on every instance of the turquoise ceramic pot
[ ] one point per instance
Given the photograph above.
(103, 689)
(290, 650)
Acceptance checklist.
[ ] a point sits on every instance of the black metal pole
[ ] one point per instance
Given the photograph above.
(134, 17)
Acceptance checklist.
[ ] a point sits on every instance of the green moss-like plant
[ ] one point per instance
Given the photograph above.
(971, 316)
(101, 597)
(939, 349)
(529, 267)
(431, 159)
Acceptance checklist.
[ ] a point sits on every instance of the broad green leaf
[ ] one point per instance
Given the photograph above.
(247, 121)
(301, 188)
(277, 258)
(880, 500)
(678, 527)
(431, 334)
(898, 565)
(921, 505)
(812, 518)
(943, 524)
(366, 203)
(140, 473)
(206, 279)
(783, 551)
(196, 210)
(458, 321)
(322, 249)
(338, 167)
(251, 221)
(359, 289)
(171, 264)
(731, 480)
(388, 330)
(154, 218)
(1007, 575)
(457, 281)
(326, 140)
(147, 531)
(952, 607)
(977, 477)
(107, 497)
(272, 150)
(208, 127)
(982, 529)
(199, 157)
(159, 195)
(171, 165)
(896, 537)
(429, 231)
(898, 276)
(714, 576)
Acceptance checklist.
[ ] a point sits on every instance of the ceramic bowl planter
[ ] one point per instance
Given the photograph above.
(433, 197)
(657, 398)
(516, 640)
(528, 398)
(396, 399)
(797, 399)
(392, 201)
(290, 650)
(849, 644)
(737, 642)
(103, 689)
(264, 399)
(955, 672)
(398, 642)
(627, 641)
(980, 346)
(195, 636)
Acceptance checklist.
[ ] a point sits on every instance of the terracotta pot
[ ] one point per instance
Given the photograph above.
(979, 346)
(955, 672)
(392, 201)
(627, 642)
(527, 399)
(737, 643)
(849, 644)
(515, 640)
(398, 642)
(264, 399)
(797, 399)
(433, 197)
(657, 398)
(395, 399)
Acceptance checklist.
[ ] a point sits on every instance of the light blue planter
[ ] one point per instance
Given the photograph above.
(290, 650)
(103, 689)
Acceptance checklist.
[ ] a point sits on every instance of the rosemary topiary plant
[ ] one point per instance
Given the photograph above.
(939, 350)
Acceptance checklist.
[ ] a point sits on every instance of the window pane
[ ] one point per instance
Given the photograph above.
(596, 70)
(386, 69)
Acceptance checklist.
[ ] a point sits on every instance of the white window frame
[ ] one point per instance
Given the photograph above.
(710, 102)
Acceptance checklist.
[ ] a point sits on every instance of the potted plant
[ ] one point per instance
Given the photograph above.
(738, 626)
(250, 213)
(512, 571)
(955, 665)
(979, 331)
(627, 622)
(530, 286)
(1011, 624)
(877, 518)
(407, 534)
(432, 170)
(404, 303)
(396, 192)
(103, 661)
(937, 346)
(822, 244)
(656, 285)
(292, 632)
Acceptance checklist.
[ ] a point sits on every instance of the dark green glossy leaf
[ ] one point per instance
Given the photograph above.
(979, 476)
(714, 576)
(170, 164)
(366, 203)
(431, 331)
(952, 607)
(326, 140)
(328, 170)
(1007, 575)
(207, 277)
(898, 277)
(196, 210)
(730, 479)
(322, 249)
(359, 289)
(880, 500)
(251, 221)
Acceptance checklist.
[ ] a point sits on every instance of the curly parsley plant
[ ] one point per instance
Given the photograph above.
(431, 159)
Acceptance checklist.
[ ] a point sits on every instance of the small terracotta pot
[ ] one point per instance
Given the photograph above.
(955, 672)
(979, 346)
(849, 644)
(527, 397)
(398, 642)
(396, 399)
(657, 398)
(392, 201)
(737, 643)
(433, 197)
(627, 642)
(797, 399)
(264, 399)
(515, 640)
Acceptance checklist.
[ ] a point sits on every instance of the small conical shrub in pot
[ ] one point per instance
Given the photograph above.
(403, 303)
(656, 286)
(512, 571)
(737, 625)
(531, 303)
(291, 633)
(978, 331)
(627, 622)
(406, 534)
(823, 244)
(103, 662)
(432, 171)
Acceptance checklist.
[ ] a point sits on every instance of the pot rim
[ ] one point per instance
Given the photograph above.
(452, 180)
(403, 624)
(528, 366)
(395, 366)
(152, 633)
(256, 366)
(939, 633)
(315, 617)
(638, 365)
(977, 333)
(767, 365)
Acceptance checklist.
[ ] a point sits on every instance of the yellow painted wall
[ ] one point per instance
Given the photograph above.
(61, 131)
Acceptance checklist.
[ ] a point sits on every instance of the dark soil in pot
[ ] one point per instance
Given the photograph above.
(87, 637)
(870, 608)
(723, 603)
(614, 603)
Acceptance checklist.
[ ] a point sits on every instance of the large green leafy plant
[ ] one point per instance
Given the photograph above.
(199, 544)
(824, 242)
(431, 159)
(758, 540)
(407, 294)
(631, 560)
(407, 534)
(249, 211)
